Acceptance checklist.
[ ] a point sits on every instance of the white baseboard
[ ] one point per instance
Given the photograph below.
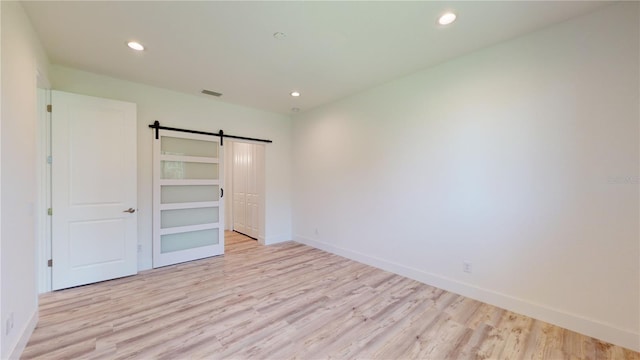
(574, 322)
(270, 240)
(24, 338)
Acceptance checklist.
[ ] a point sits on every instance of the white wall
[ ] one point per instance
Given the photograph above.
(22, 57)
(199, 113)
(521, 158)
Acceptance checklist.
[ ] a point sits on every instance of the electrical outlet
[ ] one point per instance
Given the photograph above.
(466, 267)
(317, 232)
(139, 248)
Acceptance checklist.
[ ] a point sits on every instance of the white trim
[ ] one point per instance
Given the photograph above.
(262, 181)
(41, 79)
(227, 185)
(575, 322)
(43, 196)
(270, 240)
(26, 335)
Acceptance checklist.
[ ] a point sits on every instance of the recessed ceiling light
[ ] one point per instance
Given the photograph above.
(279, 35)
(447, 18)
(295, 109)
(135, 45)
(295, 94)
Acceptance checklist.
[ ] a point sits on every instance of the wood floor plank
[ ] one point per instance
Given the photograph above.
(289, 301)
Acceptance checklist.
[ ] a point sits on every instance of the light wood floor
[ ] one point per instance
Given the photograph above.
(289, 301)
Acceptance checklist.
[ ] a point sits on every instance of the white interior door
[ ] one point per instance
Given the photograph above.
(188, 215)
(94, 223)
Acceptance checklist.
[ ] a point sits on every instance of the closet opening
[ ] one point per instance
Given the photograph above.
(244, 185)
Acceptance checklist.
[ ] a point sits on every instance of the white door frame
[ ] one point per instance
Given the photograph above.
(228, 159)
(43, 181)
(228, 185)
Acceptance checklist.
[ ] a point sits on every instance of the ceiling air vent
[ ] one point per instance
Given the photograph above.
(212, 93)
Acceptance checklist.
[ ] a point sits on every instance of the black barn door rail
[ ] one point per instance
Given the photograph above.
(156, 125)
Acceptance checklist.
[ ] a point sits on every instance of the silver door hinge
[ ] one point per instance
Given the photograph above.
(49, 159)
(50, 263)
(49, 211)
(49, 108)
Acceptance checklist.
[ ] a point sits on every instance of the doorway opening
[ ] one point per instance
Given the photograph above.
(236, 243)
(245, 186)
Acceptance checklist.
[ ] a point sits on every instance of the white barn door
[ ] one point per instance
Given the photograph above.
(94, 183)
(188, 208)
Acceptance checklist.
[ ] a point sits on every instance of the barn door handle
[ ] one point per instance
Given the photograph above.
(130, 210)
(221, 192)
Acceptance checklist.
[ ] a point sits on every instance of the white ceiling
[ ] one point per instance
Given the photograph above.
(332, 49)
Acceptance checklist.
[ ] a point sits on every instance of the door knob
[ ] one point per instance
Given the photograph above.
(130, 210)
